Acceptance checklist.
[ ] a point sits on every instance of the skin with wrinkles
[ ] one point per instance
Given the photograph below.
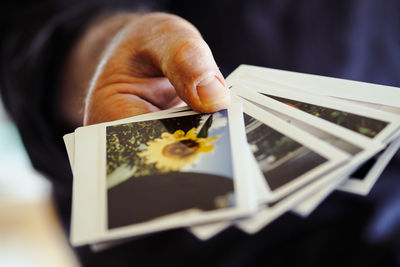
(151, 61)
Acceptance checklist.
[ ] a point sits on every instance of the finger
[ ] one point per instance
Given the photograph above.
(158, 91)
(105, 106)
(179, 51)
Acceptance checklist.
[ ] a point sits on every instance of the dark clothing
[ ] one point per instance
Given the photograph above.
(347, 39)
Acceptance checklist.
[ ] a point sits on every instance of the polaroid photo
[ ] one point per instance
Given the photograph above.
(363, 179)
(288, 158)
(270, 212)
(69, 141)
(324, 86)
(188, 152)
(311, 203)
(352, 88)
(373, 104)
(360, 182)
(367, 180)
(214, 191)
(375, 96)
(202, 232)
(360, 147)
(373, 124)
(360, 152)
(267, 213)
(370, 171)
(287, 110)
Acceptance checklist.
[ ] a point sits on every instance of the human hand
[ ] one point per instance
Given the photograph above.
(155, 61)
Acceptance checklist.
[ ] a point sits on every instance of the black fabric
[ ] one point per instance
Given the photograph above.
(355, 39)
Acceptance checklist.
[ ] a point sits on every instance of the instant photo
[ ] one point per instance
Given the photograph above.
(162, 167)
(280, 158)
(363, 170)
(366, 126)
(321, 85)
(369, 123)
(287, 156)
(323, 135)
(361, 147)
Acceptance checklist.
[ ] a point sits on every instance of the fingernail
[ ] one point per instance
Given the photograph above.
(212, 93)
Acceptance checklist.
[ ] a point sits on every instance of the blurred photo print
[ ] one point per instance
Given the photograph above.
(368, 127)
(280, 158)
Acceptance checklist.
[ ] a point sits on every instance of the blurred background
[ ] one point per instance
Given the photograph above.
(30, 234)
(356, 39)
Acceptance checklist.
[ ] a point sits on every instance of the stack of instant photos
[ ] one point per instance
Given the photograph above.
(284, 144)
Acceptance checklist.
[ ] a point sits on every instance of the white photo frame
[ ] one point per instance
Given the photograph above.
(99, 233)
(322, 85)
(268, 214)
(355, 185)
(384, 136)
(334, 156)
(364, 186)
(290, 199)
(202, 232)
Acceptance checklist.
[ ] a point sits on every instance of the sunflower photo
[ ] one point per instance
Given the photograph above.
(157, 168)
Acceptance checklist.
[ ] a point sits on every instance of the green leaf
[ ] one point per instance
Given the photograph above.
(364, 130)
(335, 114)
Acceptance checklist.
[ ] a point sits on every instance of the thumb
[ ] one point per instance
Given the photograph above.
(179, 51)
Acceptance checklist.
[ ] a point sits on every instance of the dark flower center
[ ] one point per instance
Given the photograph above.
(181, 149)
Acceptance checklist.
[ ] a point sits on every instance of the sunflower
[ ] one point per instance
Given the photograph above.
(172, 151)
